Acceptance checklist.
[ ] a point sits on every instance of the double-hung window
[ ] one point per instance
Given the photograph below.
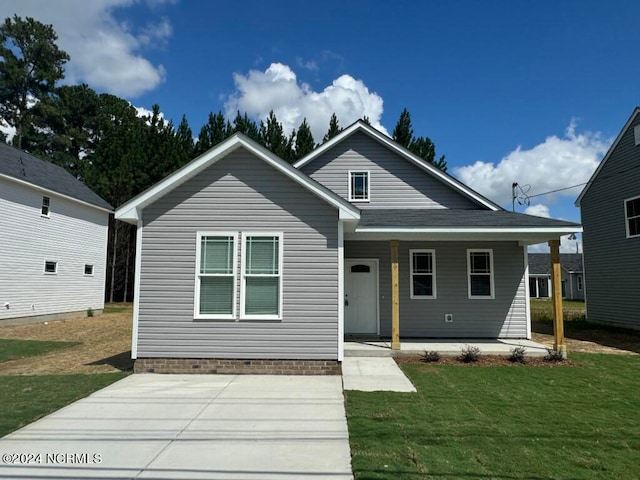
(358, 186)
(46, 206)
(480, 273)
(632, 216)
(216, 276)
(423, 273)
(262, 276)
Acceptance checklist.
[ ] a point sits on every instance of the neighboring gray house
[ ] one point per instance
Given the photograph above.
(244, 261)
(53, 241)
(610, 209)
(572, 276)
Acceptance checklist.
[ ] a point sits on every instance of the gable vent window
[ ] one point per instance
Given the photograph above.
(88, 269)
(50, 267)
(46, 203)
(632, 214)
(359, 186)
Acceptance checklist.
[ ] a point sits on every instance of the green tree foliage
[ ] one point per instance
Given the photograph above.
(213, 132)
(304, 142)
(421, 146)
(243, 124)
(273, 138)
(334, 128)
(30, 65)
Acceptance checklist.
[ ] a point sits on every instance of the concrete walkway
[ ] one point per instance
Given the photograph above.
(373, 374)
(190, 427)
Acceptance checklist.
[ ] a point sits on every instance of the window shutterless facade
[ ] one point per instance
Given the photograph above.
(46, 206)
(359, 188)
(50, 267)
(480, 274)
(261, 286)
(216, 255)
(422, 273)
(632, 216)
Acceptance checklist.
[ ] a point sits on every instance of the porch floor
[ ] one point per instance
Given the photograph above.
(355, 346)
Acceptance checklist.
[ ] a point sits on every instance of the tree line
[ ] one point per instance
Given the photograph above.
(102, 139)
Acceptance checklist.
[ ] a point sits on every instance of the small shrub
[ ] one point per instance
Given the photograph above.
(470, 354)
(518, 355)
(554, 355)
(431, 357)
(89, 312)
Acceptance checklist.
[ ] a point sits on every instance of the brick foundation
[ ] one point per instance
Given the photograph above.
(237, 366)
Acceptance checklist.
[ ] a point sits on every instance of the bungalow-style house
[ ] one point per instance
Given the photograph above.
(610, 211)
(572, 276)
(245, 262)
(53, 241)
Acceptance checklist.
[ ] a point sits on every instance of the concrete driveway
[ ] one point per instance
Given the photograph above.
(190, 427)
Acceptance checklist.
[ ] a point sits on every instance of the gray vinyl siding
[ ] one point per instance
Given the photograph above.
(611, 260)
(239, 193)
(394, 181)
(503, 317)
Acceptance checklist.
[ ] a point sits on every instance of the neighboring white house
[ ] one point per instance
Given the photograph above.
(53, 241)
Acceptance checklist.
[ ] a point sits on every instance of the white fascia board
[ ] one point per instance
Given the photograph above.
(403, 152)
(523, 238)
(613, 146)
(53, 193)
(130, 211)
(554, 230)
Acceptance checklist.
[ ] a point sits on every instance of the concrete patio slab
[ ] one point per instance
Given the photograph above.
(190, 427)
(372, 374)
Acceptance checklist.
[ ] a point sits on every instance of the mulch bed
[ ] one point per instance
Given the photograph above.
(486, 361)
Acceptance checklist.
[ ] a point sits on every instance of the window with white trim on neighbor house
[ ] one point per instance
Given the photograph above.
(46, 206)
(480, 273)
(359, 186)
(632, 216)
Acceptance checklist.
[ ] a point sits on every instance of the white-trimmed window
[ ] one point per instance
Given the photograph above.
(359, 188)
(46, 206)
(480, 273)
(423, 273)
(579, 282)
(50, 267)
(88, 270)
(261, 294)
(632, 216)
(216, 255)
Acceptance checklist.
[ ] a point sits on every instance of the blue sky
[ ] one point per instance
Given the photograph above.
(531, 92)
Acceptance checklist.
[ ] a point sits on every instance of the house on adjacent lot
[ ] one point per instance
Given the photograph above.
(572, 276)
(246, 261)
(53, 241)
(610, 210)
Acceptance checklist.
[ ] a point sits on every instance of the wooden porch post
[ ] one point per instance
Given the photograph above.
(395, 297)
(556, 288)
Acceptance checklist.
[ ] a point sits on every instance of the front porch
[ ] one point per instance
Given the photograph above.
(355, 346)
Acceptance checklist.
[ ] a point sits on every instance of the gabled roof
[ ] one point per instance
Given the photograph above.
(22, 167)
(131, 210)
(445, 178)
(612, 148)
(540, 263)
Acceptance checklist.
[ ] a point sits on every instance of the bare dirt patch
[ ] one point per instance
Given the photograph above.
(590, 338)
(105, 345)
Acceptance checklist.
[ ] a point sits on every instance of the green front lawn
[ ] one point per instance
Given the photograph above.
(11, 349)
(24, 399)
(503, 422)
(542, 310)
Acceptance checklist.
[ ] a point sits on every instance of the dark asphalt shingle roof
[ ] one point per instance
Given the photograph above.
(445, 218)
(540, 263)
(24, 166)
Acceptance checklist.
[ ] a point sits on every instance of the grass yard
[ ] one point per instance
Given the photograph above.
(12, 349)
(24, 399)
(504, 422)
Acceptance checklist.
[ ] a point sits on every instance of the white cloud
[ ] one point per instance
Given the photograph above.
(105, 53)
(538, 210)
(567, 245)
(558, 162)
(278, 89)
(7, 129)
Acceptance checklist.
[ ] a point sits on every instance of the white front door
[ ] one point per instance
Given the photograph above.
(361, 296)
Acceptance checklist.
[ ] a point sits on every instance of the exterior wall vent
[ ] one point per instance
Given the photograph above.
(636, 134)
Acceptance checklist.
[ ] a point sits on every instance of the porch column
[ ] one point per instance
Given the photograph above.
(395, 297)
(556, 280)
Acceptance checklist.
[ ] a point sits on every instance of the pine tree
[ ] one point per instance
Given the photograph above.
(334, 128)
(403, 132)
(304, 142)
(243, 124)
(366, 120)
(30, 65)
(212, 133)
(273, 138)
(421, 146)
